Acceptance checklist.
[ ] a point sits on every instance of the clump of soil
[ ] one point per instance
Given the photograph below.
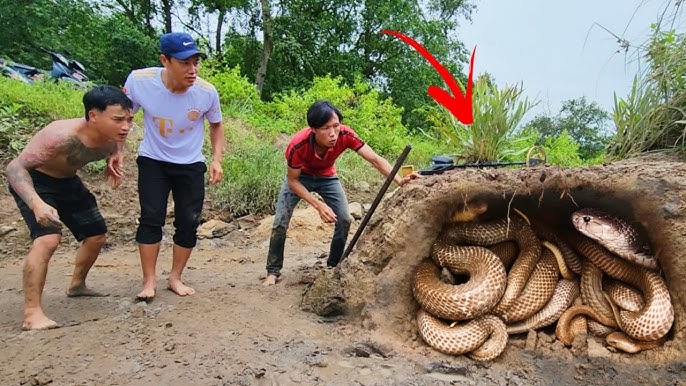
(374, 285)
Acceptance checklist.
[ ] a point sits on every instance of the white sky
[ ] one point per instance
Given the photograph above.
(553, 47)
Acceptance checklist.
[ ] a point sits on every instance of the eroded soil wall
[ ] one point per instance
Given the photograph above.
(374, 283)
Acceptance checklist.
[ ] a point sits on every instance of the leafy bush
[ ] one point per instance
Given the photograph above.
(237, 95)
(24, 109)
(377, 121)
(47, 100)
(563, 151)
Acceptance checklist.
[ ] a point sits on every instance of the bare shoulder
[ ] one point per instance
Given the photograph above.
(47, 142)
(57, 131)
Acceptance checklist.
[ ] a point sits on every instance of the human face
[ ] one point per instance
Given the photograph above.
(327, 135)
(114, 123)
(182, 73)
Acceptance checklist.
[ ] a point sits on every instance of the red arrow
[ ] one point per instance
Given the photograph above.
(460, 105)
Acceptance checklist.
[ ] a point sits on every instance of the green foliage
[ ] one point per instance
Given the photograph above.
(635, 118)
(116, 47)
(585, 122)
(107, 44)
(652, 118)
(24, 109)
(377, 121)
(13, 132)
(253, 172)
(237, 95)
(43, 99)
(342, 38)
(562, 150)
(497, 114)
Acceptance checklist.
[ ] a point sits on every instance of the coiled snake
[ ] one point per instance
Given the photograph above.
(492, 297)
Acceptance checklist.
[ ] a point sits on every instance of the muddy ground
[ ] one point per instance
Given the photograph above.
(236, 332)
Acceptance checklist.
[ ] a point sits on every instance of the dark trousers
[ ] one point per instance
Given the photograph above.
(74, 203)
(331, 191)
(187, 185)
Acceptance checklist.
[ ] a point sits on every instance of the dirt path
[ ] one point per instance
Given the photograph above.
(236, 332)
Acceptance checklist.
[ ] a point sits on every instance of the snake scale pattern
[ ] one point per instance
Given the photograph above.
(608, 276)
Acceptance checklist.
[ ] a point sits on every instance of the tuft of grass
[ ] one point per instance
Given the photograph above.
(253, 172)
(652, 118)
(497, 115)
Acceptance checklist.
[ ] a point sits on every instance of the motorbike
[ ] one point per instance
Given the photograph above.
(63, 69)
(66, 69)
(20, 72)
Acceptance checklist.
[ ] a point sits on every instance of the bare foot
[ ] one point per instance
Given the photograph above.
(82, 290)
(147, 294)
(269, 280)
(38, 321)
(179, 288)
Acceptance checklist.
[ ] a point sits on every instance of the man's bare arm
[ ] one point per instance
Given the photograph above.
(217, 139)
(40, 150)
(115, 163)
(383, 166)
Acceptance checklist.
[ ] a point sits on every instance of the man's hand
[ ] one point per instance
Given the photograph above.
(326, 213)
(115, 170)
(216, 172)
(409, 178)
(46, 215)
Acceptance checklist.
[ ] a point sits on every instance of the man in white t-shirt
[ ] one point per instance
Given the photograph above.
(175, 103)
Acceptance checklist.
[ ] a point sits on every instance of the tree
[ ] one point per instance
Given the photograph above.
(139, 12)
(342, 38)
(107, 43)
(585, 122)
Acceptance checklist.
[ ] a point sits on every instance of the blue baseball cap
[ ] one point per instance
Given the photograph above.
(179, 45)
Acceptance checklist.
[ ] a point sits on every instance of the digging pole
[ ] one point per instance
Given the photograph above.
(377, 200)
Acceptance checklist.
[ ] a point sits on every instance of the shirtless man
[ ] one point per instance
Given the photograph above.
(50, 195)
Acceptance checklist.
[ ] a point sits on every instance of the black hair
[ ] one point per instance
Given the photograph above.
(320, 112)
(99, 97)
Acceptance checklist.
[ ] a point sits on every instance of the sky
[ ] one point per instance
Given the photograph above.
(554, 48)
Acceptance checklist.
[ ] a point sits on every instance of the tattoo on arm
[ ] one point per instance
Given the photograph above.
(20, 180)
(40, 150)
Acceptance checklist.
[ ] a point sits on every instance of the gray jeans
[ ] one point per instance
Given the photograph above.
(331, 191)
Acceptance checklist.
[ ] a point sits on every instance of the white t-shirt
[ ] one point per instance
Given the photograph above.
(174, 123)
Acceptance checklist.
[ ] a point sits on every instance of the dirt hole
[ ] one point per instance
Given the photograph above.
(374, 284)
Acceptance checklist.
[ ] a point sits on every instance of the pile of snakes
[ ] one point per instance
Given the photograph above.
(600, 278)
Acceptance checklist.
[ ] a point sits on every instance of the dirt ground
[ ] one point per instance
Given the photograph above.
(234, 331)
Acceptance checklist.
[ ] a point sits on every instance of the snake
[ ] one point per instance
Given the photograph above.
(566, 291)
(490, 298)
(464, 301)
(494, 232)
(483, 338)
(596, 241)
(615, 234)
(486, 289)
(538, 290)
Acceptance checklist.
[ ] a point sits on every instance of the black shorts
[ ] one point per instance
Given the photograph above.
(75, 205)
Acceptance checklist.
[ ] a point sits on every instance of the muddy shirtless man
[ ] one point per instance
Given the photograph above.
(50, 195)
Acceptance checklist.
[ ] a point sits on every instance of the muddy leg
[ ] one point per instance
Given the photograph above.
(35, 272)
(181, 256)
(85, 258)
(149, 253)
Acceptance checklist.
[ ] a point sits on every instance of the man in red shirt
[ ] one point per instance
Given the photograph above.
(310, 156)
